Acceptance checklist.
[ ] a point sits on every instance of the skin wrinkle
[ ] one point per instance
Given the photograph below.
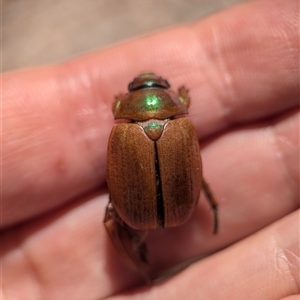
(206, 61)
(216, 61)
(102, 102)
(32, 269)
(285, 266)
(75, 120)
(285, 141)
(84, 127)
(282, 158)
(33, 273)
(226, 78)
(287, 32)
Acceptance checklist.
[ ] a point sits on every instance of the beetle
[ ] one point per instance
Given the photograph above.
(154, 169)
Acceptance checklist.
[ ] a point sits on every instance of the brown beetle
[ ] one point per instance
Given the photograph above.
(154, 170)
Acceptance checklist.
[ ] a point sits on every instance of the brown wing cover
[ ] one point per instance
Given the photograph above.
(180, 170)
(131, 176)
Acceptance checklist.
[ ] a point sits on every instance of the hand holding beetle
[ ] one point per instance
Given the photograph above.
(242, 70)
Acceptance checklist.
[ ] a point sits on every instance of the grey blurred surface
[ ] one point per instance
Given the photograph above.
(42, 31)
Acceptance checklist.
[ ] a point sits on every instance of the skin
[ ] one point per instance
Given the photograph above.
(242, 69)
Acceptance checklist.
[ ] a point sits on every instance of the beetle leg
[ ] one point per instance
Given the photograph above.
(128, 241)
(118, 98)
(184, 97)
(213, 203)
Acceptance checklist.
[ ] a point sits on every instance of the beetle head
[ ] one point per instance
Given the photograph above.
(149, 98)
(148, 80)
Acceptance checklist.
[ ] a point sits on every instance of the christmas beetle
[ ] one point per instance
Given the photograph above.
(154, 170)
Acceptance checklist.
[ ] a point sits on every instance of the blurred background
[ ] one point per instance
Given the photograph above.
(41, 31)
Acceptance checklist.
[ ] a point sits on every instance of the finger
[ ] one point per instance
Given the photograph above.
(56, 120)
(262, 266)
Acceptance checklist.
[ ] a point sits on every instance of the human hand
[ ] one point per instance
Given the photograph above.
(241, 67)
